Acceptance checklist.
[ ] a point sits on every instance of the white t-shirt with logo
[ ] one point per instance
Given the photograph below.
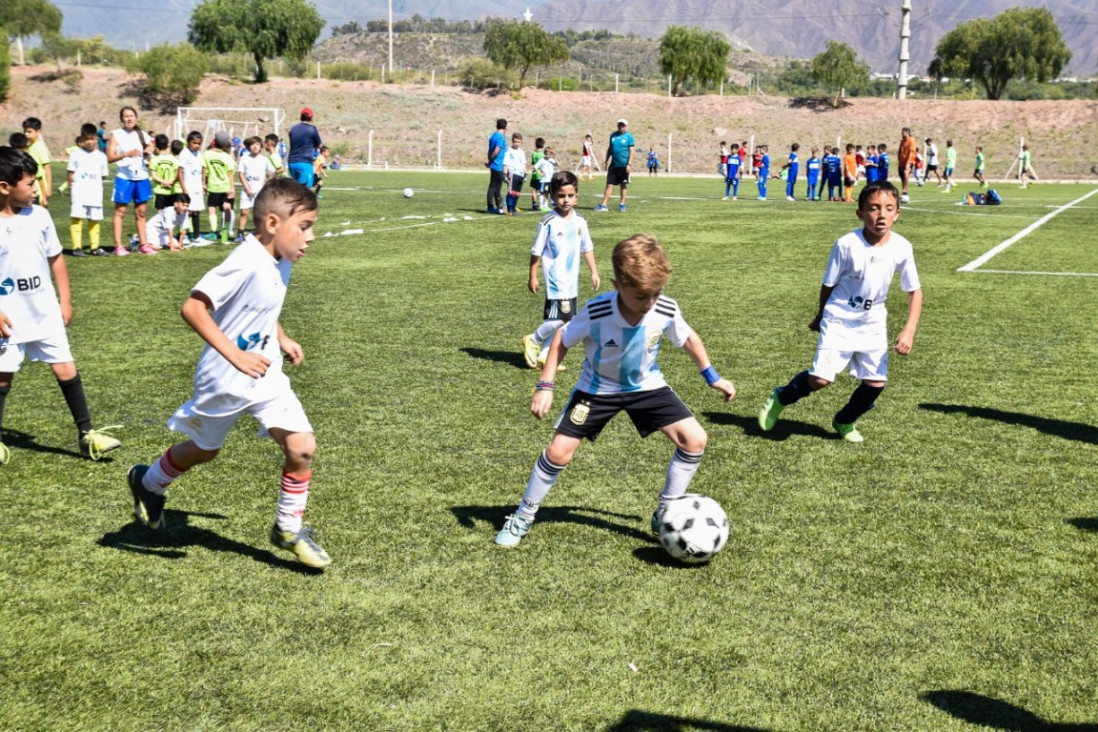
(621, 358)
(247, 291)
(160, 227)
(255, 169)
(27, 296)
(560, 242)
(191, 163)
(131, 167)
(88, 169)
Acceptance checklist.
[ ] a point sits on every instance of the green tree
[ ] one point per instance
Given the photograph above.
(24, 18)
(5, 71)
(838, 67)
(262, 28)
(171, 71)
(520, 45)
(1020, 43)
(691, 53)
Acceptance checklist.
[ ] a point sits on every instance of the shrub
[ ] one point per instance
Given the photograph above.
(171, 71)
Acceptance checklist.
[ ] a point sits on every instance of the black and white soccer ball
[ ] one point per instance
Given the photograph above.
(693, 528)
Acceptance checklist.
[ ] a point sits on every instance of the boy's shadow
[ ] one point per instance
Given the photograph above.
(636, 720)
(1077, 431)
(468, 516)
(511, 358)
(25, 441)
(783, 430)
(177, 533)
(1084, 523)
(995, 714)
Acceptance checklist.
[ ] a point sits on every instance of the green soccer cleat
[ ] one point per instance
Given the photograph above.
(848, 432)
(657, 518)
(771, 410)
(303, 546)
(530, 351)
(514, 528)
(148, 507)
(94, 443)
(5, 454)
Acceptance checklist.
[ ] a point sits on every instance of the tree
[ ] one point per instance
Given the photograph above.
(24, 18)
(1020, 43)
(838, 67)
(5, 71)
(263, 28)
(691, 53)
(171, 71)
(520, 45)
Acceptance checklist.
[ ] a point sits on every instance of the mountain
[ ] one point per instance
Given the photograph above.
(794, 28)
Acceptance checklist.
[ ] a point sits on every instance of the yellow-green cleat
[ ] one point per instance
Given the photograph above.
(771, 410)
(5, 454)
(848, 432)
(303, 546)
(530, 351)
(94, 443)
(148, 507)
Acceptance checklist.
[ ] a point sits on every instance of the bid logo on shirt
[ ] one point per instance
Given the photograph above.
(859, 304)
(245, 343)
(23, 284)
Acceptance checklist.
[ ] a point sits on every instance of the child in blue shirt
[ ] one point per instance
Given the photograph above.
(732, 173)
(833, 166)
(882, 162)
(870, 164)
(812, 172)
(764, 171)
(790, 169)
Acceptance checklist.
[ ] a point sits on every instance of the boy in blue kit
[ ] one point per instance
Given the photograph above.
(870, 164)
(764, 171)
(851, 320)
(621, 332)
(812, 173)
(732, 173)
(833, 165)
(235, 308)
(790, 169)
(882, 162)
(562, 238)
(33, 315)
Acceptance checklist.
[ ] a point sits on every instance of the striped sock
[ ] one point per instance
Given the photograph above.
(162, 473)
(542, 478)
(680, 472)
(291, 501)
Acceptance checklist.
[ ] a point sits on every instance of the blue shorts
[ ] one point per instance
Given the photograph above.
(302, 173)
(131, 191)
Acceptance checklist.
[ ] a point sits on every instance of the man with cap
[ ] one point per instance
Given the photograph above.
(304, 142)
(619, 164)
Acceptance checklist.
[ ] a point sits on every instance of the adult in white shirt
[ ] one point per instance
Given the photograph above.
(128, 147)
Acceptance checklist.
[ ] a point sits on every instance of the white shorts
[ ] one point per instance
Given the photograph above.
(247, 202)
(864, 348)
(92, 213)
(585, 161)
(48, 350)
(197, 201)
(209, 433)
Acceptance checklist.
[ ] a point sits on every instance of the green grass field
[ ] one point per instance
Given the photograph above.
(938, 577)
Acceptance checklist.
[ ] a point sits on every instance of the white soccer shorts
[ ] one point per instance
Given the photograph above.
(209, 433)
(47, 350)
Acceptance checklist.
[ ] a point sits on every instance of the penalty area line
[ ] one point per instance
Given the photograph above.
(1047, 274)
(1003, 246)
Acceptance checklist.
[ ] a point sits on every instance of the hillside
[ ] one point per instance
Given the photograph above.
(407, 119)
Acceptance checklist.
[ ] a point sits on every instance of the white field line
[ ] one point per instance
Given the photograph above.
(1047, 274)
(1003, 246)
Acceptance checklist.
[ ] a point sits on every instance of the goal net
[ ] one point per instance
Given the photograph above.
(239, 122)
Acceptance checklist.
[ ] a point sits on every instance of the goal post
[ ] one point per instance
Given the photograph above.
(237, 121)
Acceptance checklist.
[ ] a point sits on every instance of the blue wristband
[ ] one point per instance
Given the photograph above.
(710, 375)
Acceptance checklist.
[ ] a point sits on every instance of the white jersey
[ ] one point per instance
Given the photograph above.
(27, 297)
(132, 167)
(931, 154)
(861, 274)
(560, 243)
(88, 169)
(515, 161)
(159, 228)
(621, 358)
(247, 291)
(191, 163)
(255, 170)
(545, 168)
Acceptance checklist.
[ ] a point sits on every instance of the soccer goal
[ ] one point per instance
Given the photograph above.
(239, 122)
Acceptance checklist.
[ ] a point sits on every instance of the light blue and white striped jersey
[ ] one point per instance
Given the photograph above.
(560, 243)
(621, 358)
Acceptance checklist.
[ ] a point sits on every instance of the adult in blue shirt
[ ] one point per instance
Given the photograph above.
(497, 148)
(304, 142)
(619, 164)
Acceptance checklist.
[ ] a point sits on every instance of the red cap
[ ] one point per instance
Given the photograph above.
(306, 113)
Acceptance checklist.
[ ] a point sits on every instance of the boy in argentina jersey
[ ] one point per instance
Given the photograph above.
(235, 308)
(852, 321)
(562, 238)
(621, 332)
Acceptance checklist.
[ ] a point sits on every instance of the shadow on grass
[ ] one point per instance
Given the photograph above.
(512, 358)
(658, 556)
(178, 533)
(468, 516)
(1084, 524)
(24, 441)
(1057, 427)
(783, 430)
(994, 714)
(637, 721)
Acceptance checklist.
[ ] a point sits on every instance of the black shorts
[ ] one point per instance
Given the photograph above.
(218, 200)
(163, 200)
(561, 309)
(931, 168)
(650, 411)
(617, 176)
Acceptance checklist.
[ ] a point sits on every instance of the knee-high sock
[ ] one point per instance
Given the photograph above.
(680, 471)
(795, 390)
(73, 389)
(93, 235)
(162, 473)
(545, 331)
(76, 231)
(861, 401)
(212, 215)
(196, 223)
(292, 499)
(542, 478)
(3, 398)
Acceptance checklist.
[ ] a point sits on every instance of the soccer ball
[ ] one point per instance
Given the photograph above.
(408, 193)
(693, 528)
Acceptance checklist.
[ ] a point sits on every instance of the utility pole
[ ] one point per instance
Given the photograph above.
(390, 34)
(905, 37)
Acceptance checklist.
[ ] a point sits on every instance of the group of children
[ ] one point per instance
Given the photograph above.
(543, 163)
